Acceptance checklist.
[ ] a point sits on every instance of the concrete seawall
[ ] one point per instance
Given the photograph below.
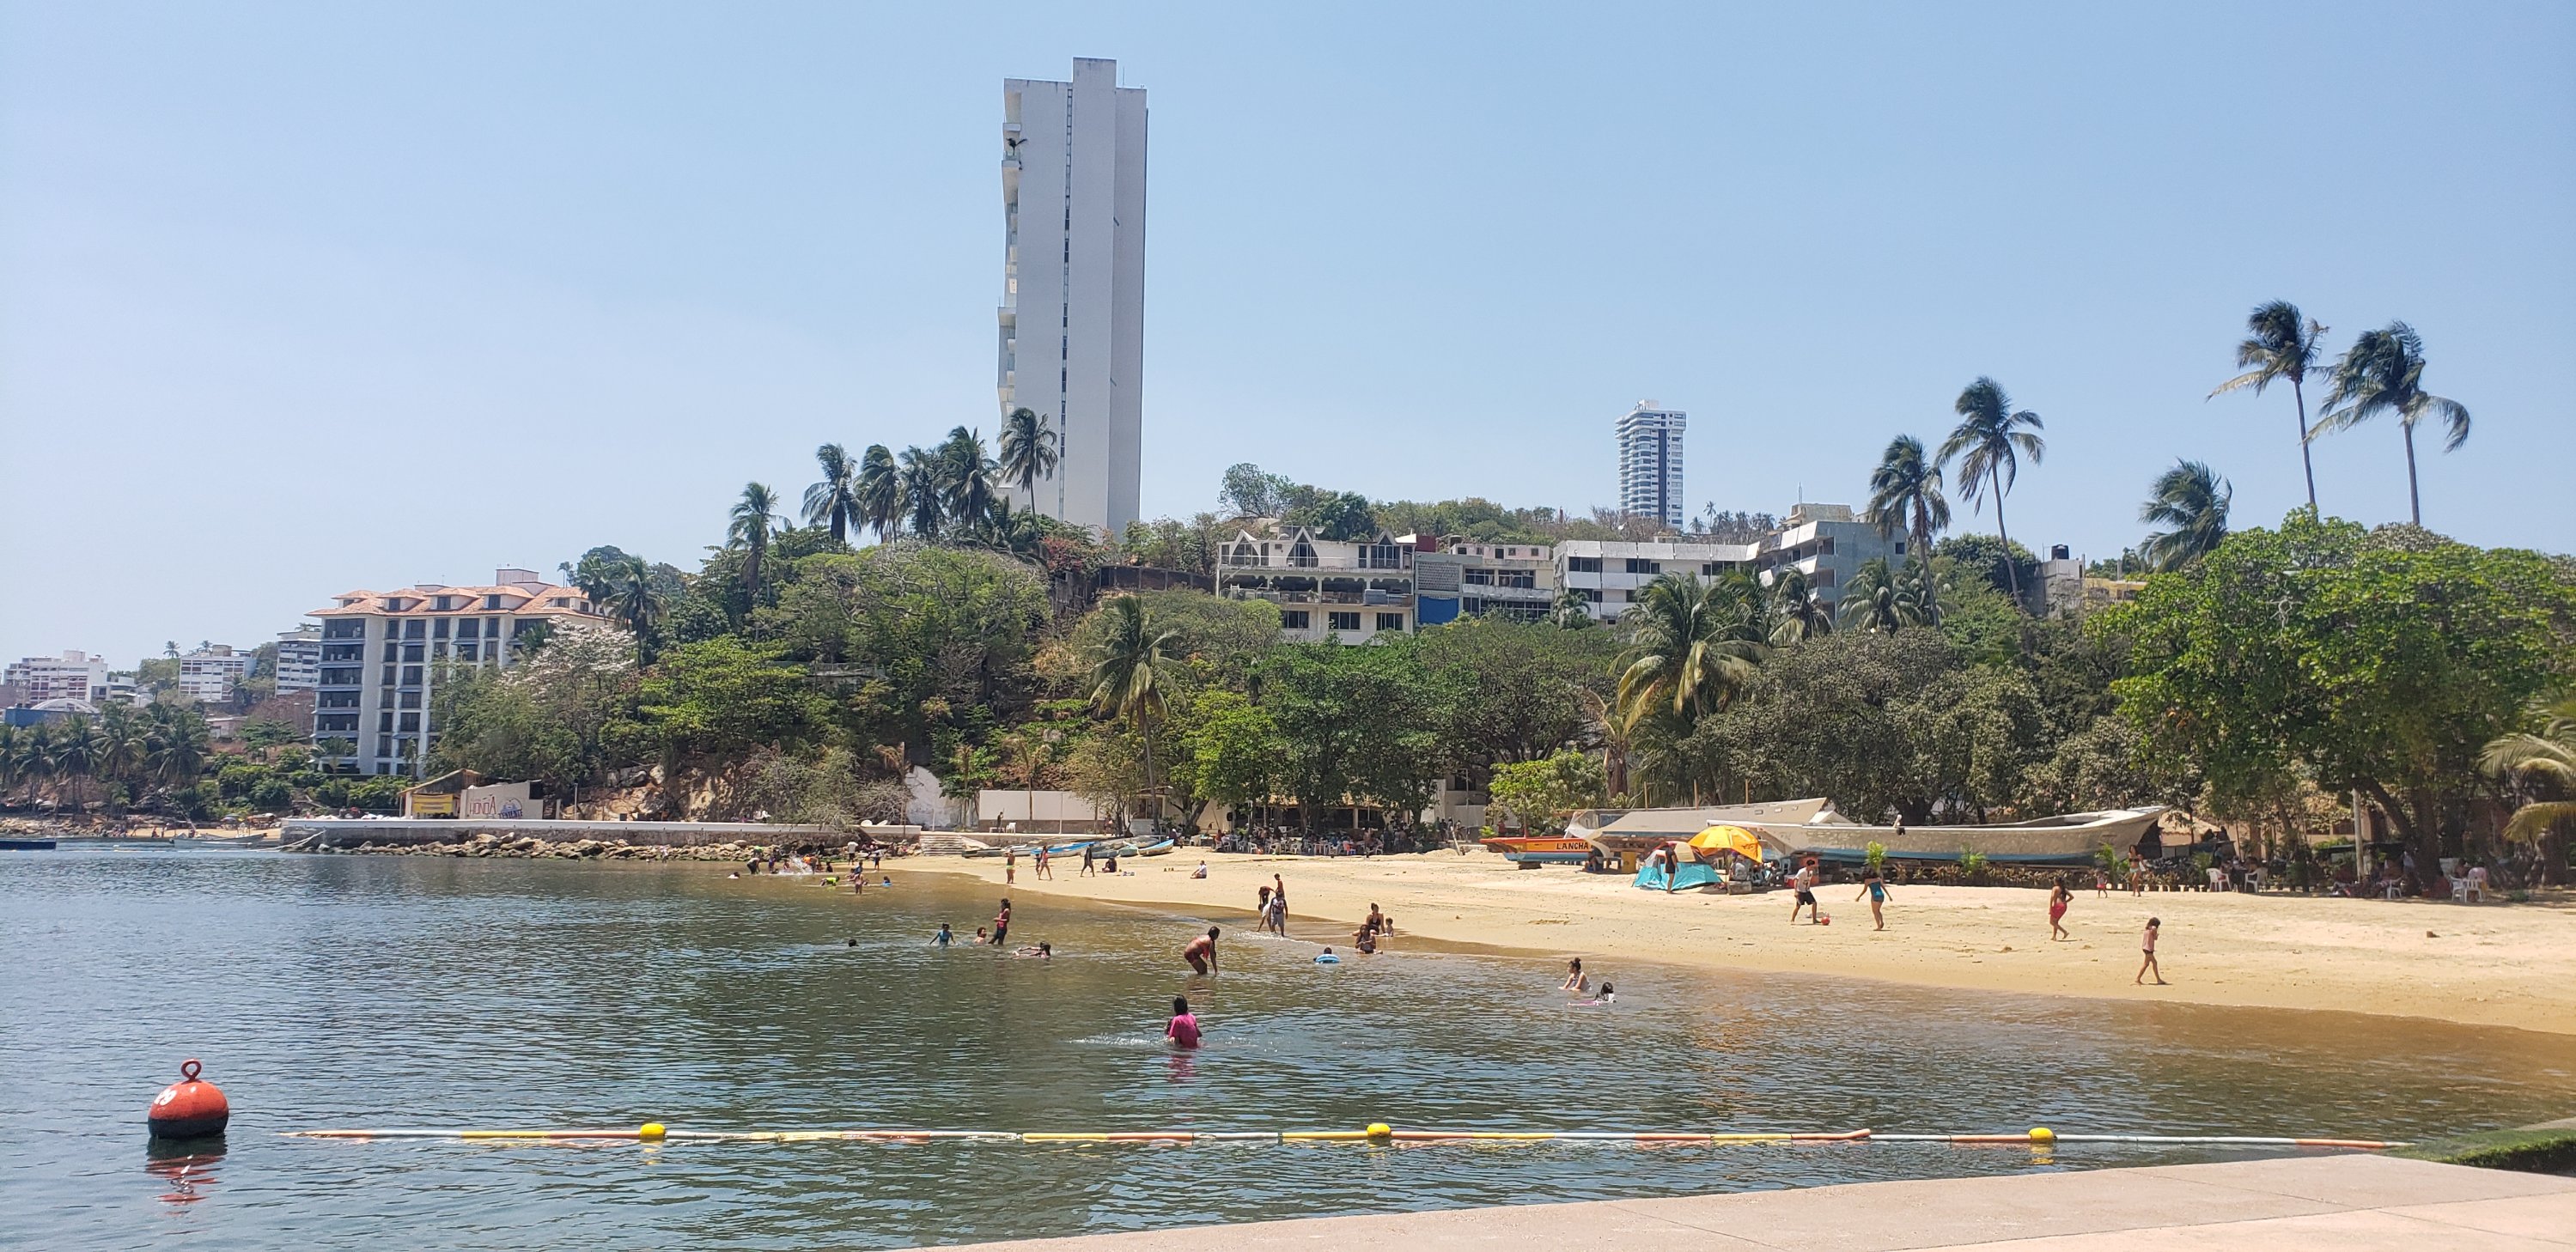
(2341, 1202)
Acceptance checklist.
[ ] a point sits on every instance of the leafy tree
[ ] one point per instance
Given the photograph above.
(1250, 493)
(709, 704)
(1029, 450)
(548, 716)
(834, 500)
(2383, 372)
(1989, 443)
(2192, 499)
(2004, 565)
(909, 635)
(2383, 662)
(1514, 691)
(1231, 749)
(2281, 344)
(1541, 792)
(1342, 515)
(1878, 598)
(1355, 724)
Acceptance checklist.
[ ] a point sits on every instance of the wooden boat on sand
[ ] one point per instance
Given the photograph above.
(2066, 839)
(1536, 850)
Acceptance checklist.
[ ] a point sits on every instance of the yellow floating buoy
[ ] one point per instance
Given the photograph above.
(650, 1130)
(1380, 1130)
(2042, 1134)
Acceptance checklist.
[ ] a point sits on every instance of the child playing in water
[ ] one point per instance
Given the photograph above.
(1002, 922)
(1604, 1000)
(1183, 1029)
(1366, 940)
(1575, 980)
(1042, 951)
(2147, 943)
(1875, 887)
(980, 938)
(1326, 957)
(943, 938)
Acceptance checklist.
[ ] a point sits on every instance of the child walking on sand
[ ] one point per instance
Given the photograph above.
(1875, 887)
(2147, 943)
(1805, 882)
(2058, 898)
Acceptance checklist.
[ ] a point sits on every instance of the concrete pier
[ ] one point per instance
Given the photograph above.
(344, 832)
(2361, 1203)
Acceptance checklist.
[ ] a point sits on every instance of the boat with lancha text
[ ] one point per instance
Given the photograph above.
(1541, 849)
(2065, 839)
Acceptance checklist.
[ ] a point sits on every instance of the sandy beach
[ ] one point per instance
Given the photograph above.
(2485, 965)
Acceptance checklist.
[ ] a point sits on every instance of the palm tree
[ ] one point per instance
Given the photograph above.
(77, 745)
(1797, 612)
(1127, 670)
(1989, 445)
(879, 487)
(2383, 372)
(835, 500)
(966, 477)
(923, 493)
(1015, 531)
(1692, 646)
(2192, 499)
(2547, 755)
(1905, 494)
(1880, 599)
(2281, 345)
(1029, 450)
(1571, 610)
(635, 602)
(752, 516)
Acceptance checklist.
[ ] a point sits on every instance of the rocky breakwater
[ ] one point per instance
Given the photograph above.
(488, 844)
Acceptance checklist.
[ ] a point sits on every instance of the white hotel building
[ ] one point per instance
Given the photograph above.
(1073, 284)
(1826, 542)
(1650, 463)
(384, 651)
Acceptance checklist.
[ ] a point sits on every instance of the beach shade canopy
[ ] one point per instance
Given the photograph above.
(1735, 839)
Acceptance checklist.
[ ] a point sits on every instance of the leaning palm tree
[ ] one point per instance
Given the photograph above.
(2545, 755)
(879, 486)
(1905, 495)
(1798, 612)
(1029, 451)
(1128, 671)
(636, 602)
(834, 501)
(2192, 499)
(2281, 344)
(924, 495)
(1989, 445)
(2383, 372)
(966, 477)
(1692, 647)
(752, 516)
(1880, 599)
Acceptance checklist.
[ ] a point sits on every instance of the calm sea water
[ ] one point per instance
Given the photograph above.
(386, 991)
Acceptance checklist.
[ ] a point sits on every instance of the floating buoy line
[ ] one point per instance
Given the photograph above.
(1378, 1133)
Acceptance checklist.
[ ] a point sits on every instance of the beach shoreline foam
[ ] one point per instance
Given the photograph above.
(2496, 965)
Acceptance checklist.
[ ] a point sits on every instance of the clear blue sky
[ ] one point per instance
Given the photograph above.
(606, 262)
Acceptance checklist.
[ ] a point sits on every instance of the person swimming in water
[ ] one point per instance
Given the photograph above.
(943, 938)
(1326, 957)
(1574, 977)
(1183, 1029)
(1607, 997)
(1043, 951)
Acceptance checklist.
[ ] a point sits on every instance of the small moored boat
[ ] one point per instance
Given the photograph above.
(1541, 849)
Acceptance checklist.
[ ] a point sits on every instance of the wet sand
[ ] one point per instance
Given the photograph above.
(2510, 965)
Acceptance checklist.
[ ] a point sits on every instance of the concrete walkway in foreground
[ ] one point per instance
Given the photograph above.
(2360, 1203)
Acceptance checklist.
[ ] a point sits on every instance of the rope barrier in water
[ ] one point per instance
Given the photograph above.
(1379, 1133)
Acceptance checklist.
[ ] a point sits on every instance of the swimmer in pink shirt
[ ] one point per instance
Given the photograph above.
(1183, 1030)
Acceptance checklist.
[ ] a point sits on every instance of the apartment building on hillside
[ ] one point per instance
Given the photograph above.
(75, 675)
(209, 675)
(1351, 591)
(1826, 542)
(1650, 463)
(1515, 580)
(383, 652)
(299, 658)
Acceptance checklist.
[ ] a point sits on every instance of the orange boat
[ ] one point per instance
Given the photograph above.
(1535, 850)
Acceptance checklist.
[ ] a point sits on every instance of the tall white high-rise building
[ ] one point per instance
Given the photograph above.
(1073, 283)
(1650, 463)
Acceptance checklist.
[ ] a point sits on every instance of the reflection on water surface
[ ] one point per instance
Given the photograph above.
(355, 991)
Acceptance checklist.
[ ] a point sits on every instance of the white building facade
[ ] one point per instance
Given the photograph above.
(1650, 463)
(1826, 542)
(209, 674)
(1464, 579)
(1349, 591)
(299, 658)
(1073, 284)
(384, 651)
(75, 675)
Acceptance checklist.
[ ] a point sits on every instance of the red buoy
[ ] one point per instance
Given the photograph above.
(188, 1109)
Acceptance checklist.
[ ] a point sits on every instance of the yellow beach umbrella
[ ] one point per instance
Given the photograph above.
(1735, 839)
